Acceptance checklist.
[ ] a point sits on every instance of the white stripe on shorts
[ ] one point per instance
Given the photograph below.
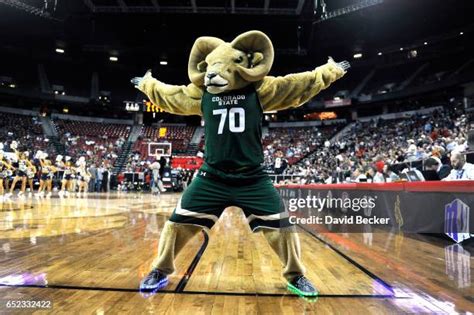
(276, 216)
(198, 215)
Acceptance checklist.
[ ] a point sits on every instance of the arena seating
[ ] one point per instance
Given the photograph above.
(306, 150)
(295, 143)
(24, 129)
(387, 142)
(386, 79)
(97, 140)
(438, 69)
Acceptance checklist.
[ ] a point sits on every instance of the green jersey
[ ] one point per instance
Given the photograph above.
(233, 130)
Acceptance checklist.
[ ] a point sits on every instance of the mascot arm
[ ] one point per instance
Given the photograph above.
(293, 90)
(174, 99)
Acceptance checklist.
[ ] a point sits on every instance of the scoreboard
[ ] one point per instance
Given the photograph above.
(144, 106)
(149, 107)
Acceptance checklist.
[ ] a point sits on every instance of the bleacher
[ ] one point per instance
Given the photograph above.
(296, 142)
(97, 140)
(24, 129)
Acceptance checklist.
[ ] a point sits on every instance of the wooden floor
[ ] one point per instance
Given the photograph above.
(88, 255)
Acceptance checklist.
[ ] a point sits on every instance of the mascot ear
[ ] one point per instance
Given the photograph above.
(260, 46)
(202, 47)
(202, 66)
(255, 59)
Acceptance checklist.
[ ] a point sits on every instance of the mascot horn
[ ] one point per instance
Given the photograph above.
(231, 89)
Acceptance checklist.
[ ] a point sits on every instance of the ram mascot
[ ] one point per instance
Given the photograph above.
(230, 88)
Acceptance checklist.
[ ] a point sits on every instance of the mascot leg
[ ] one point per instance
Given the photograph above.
(266, 211)
(173, 238)
(286, 244)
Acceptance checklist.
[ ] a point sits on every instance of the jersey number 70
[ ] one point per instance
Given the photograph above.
(233, 112)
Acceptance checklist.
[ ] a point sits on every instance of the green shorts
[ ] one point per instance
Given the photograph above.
(208, 195)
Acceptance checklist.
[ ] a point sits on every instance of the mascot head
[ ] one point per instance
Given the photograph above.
(220, 67)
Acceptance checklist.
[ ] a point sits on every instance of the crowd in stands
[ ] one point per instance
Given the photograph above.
(100, 142)
(378, 150)
(24, 129)
(290, 145)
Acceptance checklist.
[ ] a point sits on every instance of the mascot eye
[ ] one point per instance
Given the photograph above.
(239, 60)
(202, 66)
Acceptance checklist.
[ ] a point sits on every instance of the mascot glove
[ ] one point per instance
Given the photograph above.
(139, 80)
(333, 71)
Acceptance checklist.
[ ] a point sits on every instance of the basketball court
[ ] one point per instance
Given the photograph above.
(89, 255)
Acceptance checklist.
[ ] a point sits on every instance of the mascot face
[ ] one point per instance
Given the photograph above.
(221, 73)
(220, 67)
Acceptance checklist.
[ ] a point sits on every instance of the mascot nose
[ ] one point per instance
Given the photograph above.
(211, 75)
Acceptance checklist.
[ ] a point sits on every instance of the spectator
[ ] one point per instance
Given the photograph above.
(435, 164)
(100, 178)
(462, 170)
(390, 173)
(93, 178)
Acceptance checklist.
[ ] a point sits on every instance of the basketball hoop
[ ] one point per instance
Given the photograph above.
(159, 149)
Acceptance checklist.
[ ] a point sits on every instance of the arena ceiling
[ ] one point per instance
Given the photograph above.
(142, 30)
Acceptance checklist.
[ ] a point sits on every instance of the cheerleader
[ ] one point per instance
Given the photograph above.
(83, 176)
(67, 181)
(22, 165)
(61, 167)
(30, 174)
(47, 174)
(5, 167)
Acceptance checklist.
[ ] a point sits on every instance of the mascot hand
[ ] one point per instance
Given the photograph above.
(137, 80)
(333, 71)
(343, 65)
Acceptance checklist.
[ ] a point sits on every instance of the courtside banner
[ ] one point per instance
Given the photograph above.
(417, 207)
